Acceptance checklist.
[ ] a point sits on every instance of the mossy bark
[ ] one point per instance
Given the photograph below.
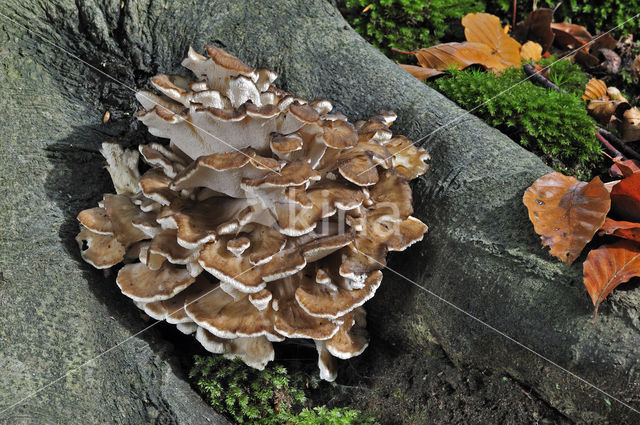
(480, 254)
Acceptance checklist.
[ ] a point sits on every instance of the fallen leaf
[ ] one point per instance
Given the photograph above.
(531, 51)
(420, 72)
(626, 167)
(625, 198)
(443, 56)
(614, 94)
(609, 266)
(596, 89)
(630, 127)
(570, 36)
(586, 59)
(536, 27)
(603, 109)
(603, 41)
(622, 229)
(566, 213)
(486, 29)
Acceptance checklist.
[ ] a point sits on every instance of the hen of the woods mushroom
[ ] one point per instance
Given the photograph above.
(265, 217)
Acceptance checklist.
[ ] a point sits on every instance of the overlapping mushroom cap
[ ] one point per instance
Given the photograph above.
(265, 217)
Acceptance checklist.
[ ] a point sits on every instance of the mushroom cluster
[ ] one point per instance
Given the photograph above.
(265, 217)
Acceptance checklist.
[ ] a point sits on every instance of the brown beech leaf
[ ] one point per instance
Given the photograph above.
(566, 213)
(531, 51)
(622, 229)
(603, 109)
(442, 56)
(570, 36)
(603, 41)
(630, 127)
(595, 89)
(609, 266)
(419, 72)
(486, 29)
(536, 27)
(586, 59)
(625, 198)
(624, 168)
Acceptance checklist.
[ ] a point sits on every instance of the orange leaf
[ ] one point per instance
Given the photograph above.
(485, 28)
(609, 266)
(531, 51)
(625, 198)
(621, 229)
(460, 55)
(419, 72)
(566, 213)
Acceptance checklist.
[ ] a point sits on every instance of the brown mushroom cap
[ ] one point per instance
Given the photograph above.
(359, 170)
(99, 250)
(223, 172)
(140, 283)
(408, 232)
(96, 220)
(254, 351)
(121, 212)
(351, 339)
(339, 134)
(333, 301)
(155, 185)
(408, 160)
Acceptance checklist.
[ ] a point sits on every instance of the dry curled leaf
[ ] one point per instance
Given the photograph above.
(624, 168)
(420, 72)
(443, 56)
(531, 51)
(595, 89)
(625, 198)
(536, 27)
(486, 29)
(603, 41)
(566, 213)
(570, 36)
(630, 126)
(622, 229)
(609, 266)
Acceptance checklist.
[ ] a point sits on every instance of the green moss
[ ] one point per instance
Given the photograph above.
(408, 24)
(323, 416)
(267, 397)
(566, 75)
(545, 121)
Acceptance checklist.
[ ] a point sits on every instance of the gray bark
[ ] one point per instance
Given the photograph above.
(481, 253)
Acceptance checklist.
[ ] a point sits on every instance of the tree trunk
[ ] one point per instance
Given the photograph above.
(480, 254)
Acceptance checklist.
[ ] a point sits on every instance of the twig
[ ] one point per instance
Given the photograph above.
(515, 6)
(536, 77)
(618, 143)
(608, 145)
